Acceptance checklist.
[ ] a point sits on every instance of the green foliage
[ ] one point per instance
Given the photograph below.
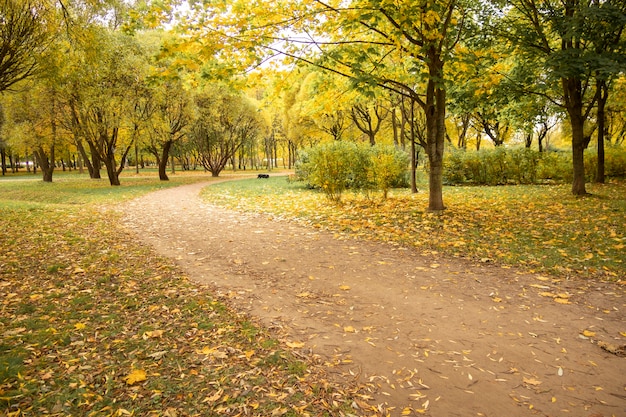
(337, 166)
(614, 162)
(388, 167)
(525, 166)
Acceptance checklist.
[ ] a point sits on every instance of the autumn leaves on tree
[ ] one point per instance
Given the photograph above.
(127, 76)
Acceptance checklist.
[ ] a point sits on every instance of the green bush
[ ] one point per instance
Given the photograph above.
(614, 162)
(525, 166)
(555, 166)
(388, 167)
(337, 166)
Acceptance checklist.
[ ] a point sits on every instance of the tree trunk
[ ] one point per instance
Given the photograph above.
(3, 160)
(96, 162)
(602, 92)
(109, 161)
(435, 111)
(163, 159)
(47, 164)
(114, 178)
(572, 90)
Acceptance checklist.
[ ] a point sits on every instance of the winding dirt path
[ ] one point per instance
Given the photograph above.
(430, 336)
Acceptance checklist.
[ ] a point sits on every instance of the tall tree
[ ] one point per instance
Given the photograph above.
(168, 122)
(224, 122)
(402, 46)
(562, 37)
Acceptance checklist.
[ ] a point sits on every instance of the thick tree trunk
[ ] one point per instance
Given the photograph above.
(46, 164)
(96, 161)
(3, 160)
(602, 92)
(572, 90)
(163, 159)
(435, 111)
(114, 178)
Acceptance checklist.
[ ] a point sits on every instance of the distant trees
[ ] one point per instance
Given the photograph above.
(225, 122)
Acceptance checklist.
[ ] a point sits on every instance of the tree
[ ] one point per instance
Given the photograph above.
(33, 119)
(100, 97)
(400, 46)
(168, 122)
(562, 37)
(368, 119)
(24, 35)
(224, 122)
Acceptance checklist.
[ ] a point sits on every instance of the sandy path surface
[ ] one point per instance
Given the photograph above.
(430, 336)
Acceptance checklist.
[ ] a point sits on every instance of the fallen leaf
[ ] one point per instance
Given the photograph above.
(136, 375)
(349, 329)
(344, 287)
(588, 333)
(152, 334)
(295, 345)
(531, 381)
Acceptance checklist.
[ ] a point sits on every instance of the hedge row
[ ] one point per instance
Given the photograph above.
(524, 166)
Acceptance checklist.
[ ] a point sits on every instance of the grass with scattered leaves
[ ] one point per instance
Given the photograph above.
(540, 228)
(93, 324)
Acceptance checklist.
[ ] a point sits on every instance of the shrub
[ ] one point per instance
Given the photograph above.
(330, 168)
(388, 167)
(337, 166)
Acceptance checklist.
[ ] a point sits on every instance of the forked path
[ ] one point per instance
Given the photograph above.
(433, 336)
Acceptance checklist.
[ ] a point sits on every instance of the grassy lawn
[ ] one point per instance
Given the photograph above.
(536, 227)
(93, 324)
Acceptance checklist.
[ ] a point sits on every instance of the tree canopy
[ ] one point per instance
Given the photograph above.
(131, 79)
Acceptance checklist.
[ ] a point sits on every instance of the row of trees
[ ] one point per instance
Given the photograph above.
(546, 58)
(108, 81)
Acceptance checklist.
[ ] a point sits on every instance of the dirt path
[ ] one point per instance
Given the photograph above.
(440, 336)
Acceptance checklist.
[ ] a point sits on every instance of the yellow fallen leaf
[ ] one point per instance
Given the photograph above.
(80, 326)
(344, 287)
(623, 334)
(497, 299)
(349, 329)
(155, 334)
(562, 300)
(295, 345)
(407, 411)
(206, 350)
(588, 333)
(531, 381)
(136, 375)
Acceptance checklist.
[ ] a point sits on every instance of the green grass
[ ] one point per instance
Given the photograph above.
(80, 189)
(535, 227)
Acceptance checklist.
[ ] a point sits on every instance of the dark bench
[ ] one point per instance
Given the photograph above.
(263, 176)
